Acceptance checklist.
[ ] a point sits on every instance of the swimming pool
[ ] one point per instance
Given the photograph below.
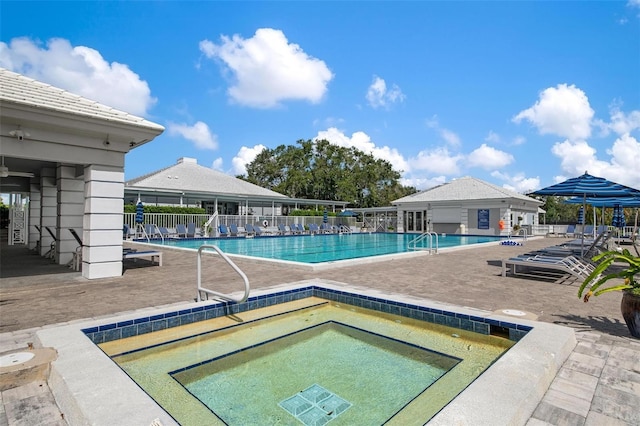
(314, 249)
(368, 367)
(91, 389)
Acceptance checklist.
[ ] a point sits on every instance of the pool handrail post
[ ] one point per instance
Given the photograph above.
(201, 289)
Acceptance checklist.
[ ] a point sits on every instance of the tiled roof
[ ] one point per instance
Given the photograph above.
(188, 176)
(18, 89)
(463, 189)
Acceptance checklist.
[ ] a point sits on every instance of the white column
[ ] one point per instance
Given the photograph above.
(48, 207)
(35, 204)
(400, 219)
(102, 225)
(70, 211)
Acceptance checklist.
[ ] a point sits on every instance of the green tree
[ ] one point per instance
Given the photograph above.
(324, 171)
(559, 211)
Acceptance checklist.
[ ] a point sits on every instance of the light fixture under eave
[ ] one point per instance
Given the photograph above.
(5, 172)
(19, 134)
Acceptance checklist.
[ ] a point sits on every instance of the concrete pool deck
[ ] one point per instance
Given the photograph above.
(598, 384)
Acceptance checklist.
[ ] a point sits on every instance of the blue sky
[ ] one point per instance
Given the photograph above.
(520, 94)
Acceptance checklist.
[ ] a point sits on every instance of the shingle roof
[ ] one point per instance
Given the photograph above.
(463, 189)
(188, 176)
(18, 89)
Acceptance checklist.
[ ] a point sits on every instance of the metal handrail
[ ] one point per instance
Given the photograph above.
(411, 245)
(235, 268)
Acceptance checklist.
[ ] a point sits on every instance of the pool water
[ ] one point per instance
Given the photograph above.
(326, 248)
(260, 366)
(339, 357)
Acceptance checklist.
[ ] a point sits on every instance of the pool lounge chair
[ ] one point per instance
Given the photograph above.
(249, 229)
(223, 230)
(191, 230)
(181, 230)
(313, 228)
(153, 255)
(257, 230)
(76, 260)
(234, 231)
(52, 248)
(562, 270)
(282, 229)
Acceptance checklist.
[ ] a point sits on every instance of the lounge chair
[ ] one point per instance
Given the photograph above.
(152, 231)
(181, 230)
(313, 228)
(282, 229)
(249, 229)
(191, 230)
(126, 232)
(164, 231)
(76, 261)
(52, 248)
(325, 228)
(257, 230)
(562, 270)
(569, 232)
(153, 255)
(224, 231)
(234, 231)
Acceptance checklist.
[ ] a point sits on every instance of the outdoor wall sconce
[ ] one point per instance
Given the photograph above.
(19, 134)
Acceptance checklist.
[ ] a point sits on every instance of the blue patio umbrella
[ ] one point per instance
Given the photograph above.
(581, 215)
(607, 201)
(325, 217)
(618, 220)
(588, 186)
(139, 212)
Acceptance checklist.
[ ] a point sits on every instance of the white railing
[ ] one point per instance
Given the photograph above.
(428, 236)
(170, 220)
(215, 293)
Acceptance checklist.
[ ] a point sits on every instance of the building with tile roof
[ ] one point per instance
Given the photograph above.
(466, 206)
(65, 155)
(187, 183)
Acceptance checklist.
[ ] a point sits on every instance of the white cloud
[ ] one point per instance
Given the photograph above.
(80, 70)
(267, 69)
(633, 3)
(518, 140)
(563, 111)
(363, 142)
(199, 134)
(578, 157)
(622, 123)
(379, 96)
(245, 156)
(492, 137)
(518, 182)
(438, 160)
(218, 164)
(423, 183)
(451, 138)
(489, 158)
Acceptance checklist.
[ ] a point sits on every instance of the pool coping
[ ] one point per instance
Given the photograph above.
(92, 389)
(323, 266)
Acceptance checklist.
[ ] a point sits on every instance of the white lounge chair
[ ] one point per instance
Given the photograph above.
(560, 269)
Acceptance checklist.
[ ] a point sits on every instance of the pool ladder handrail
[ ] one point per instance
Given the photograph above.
(235, 268)
(412, 245)
(522, 231)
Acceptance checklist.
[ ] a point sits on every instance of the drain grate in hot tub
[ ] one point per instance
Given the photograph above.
(315, 406)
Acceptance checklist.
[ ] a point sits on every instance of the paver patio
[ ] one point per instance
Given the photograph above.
(599, 383)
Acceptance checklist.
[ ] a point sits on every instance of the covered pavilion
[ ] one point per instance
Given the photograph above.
(63, 164)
